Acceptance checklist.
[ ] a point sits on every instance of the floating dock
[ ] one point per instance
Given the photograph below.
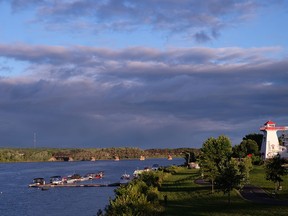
(46, 186)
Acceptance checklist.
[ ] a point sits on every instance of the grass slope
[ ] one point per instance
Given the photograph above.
(184, 197)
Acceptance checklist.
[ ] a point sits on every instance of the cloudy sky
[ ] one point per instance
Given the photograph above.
(141, 73)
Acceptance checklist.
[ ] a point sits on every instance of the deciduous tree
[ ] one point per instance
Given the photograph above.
(214, 154)
(245, 148)
(275, 170)
(229, 177)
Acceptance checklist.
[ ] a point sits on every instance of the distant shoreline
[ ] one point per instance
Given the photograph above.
(73, 154)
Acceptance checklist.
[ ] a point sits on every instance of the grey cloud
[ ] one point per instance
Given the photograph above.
(5, 69)
(139, 63)
(90, 97)
(23, 4)
(85, 55)
(202, 19)
(201, 37)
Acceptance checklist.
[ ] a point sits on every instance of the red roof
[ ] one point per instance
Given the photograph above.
(269, 122)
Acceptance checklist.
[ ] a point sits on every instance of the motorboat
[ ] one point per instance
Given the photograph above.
(155, 167)
(56, 180)
(125, 178)
(92, 176)
(137, 172)
(99, 175)
(37, 181)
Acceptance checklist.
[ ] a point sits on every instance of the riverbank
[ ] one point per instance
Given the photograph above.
(182, 196)
(52, 154)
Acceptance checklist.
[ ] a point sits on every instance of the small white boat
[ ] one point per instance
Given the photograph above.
(56, 180)
(98, 175)
(125, 179)
(37, 182)
(137, 172)
(69, 180)
(125, 176)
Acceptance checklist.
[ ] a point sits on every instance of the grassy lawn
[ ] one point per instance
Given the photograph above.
(257, 178)
(184, 197)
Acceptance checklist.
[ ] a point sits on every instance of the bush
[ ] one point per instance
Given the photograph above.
(139, 197)
(257, 160)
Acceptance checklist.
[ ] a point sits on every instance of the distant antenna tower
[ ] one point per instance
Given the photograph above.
(34, 141)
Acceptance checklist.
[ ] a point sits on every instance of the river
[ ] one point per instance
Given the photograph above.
(16, 198)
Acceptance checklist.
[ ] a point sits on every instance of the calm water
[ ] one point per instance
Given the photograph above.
(16, 198)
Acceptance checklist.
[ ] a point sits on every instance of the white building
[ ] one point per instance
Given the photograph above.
(270, 143)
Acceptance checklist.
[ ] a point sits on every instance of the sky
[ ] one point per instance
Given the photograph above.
(140, 73)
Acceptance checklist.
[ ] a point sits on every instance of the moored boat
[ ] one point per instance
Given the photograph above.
(98, 175)
(68, 180)
(56, 180)
(155, 167)
(125, 178)
(37, 181)
(137, 172)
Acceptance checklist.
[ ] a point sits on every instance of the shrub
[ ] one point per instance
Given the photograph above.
(139, 197)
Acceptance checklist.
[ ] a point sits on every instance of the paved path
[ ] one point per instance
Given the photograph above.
(253, 194)
(202, 182)
(258, 195)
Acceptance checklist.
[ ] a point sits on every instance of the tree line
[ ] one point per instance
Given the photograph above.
(249, 146)
(46, 154)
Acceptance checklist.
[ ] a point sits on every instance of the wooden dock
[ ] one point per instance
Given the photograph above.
(46, 186)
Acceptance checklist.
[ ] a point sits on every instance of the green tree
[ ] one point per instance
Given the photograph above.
(229, 178)
(210, 171)
(150, 178)
(245, 148)
(245, 166)
(239, 151)
(251, 146)
(129, 201)
(140, 197)
(213, 156)
(256, 137)
(275, 170)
